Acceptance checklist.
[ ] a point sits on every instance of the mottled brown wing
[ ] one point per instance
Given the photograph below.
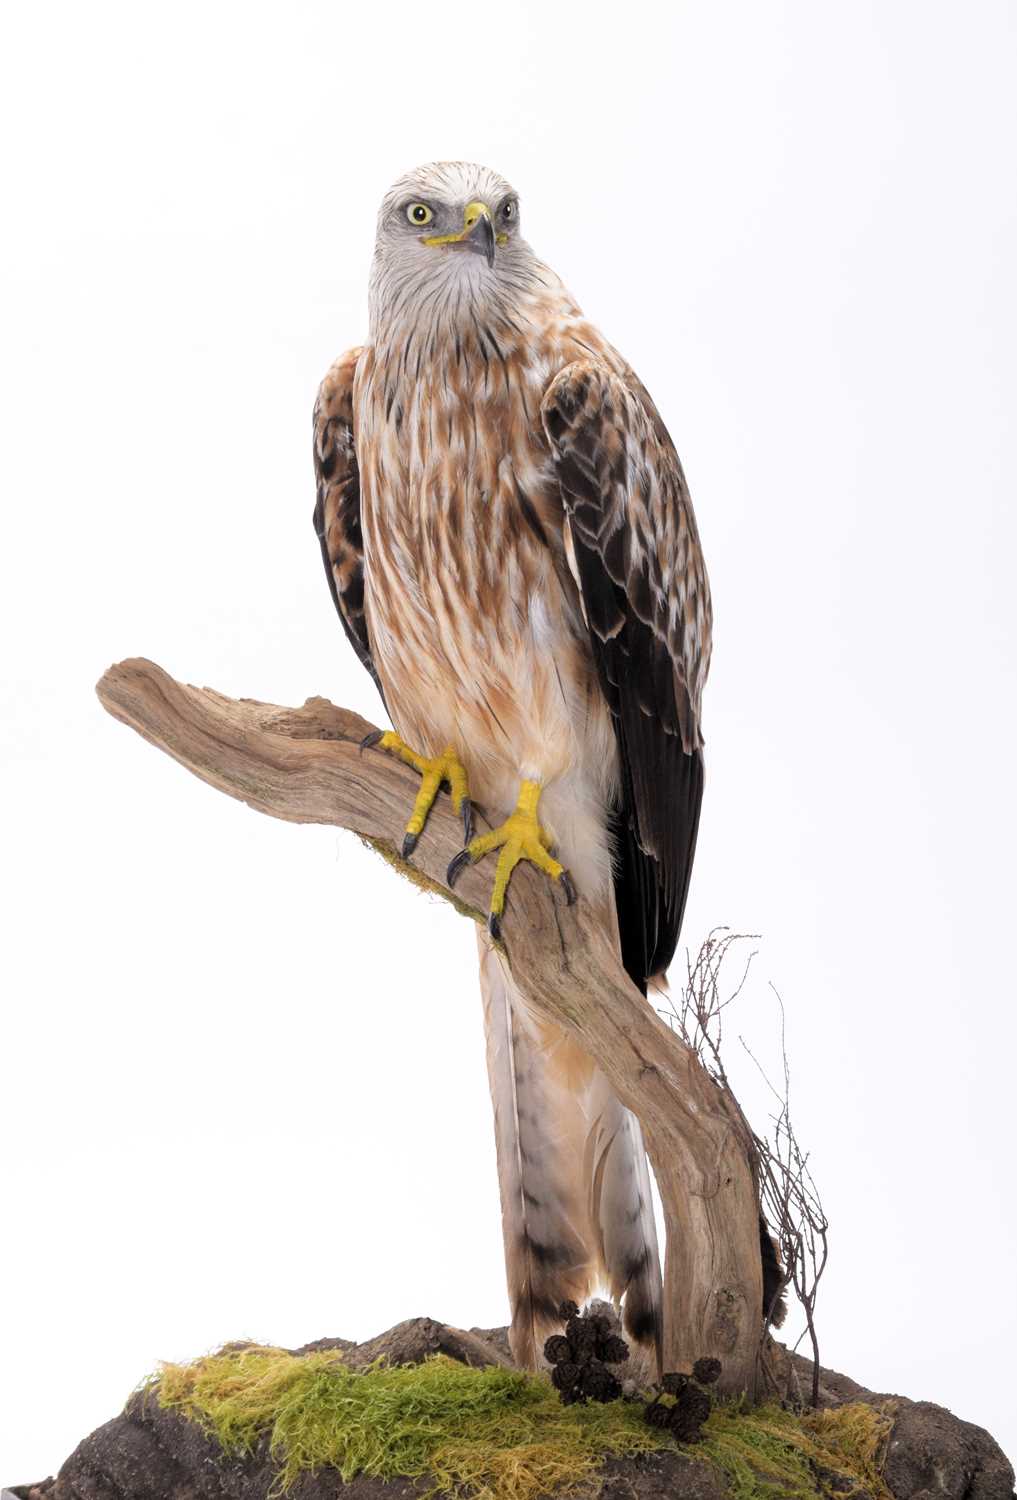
(337, 507)
(637, 560)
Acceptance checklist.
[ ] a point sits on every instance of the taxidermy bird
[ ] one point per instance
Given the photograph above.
(511, 547)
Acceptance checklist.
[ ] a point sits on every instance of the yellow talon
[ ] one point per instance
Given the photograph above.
(433, 771)
(519, 837)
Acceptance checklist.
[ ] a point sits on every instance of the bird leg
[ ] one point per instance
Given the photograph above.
(433, 770)
(519, 837)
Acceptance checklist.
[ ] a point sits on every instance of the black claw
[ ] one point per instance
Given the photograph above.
(370, 739)
(494, 926)
(571, 894)
(466, 813)
(457, 866)
(409, 844)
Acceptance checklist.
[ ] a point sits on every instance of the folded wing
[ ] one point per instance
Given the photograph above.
(634, 550)
(337, 507)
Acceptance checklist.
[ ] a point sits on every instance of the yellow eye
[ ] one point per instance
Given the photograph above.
(419, 213)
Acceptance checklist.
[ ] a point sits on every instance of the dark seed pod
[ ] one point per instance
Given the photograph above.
(674, 1383)
(685, 1427)
(581, 1337)
(614, 1350)
(706, 1370)
(693, 1404)
(658, 1415)
(579, 1357)
(565, 1375)
(557, 1348)
(597, 1383)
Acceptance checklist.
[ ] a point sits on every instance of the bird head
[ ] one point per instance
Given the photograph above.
(448, 240)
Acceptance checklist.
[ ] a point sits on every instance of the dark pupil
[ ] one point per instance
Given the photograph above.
(420, 213)
(508, 210)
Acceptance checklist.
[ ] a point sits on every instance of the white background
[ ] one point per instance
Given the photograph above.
(244, 1086)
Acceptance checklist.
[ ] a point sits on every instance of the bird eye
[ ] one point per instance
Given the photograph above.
(419, 213)
(509, 211)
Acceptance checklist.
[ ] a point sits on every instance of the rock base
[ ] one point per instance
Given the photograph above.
(147, 1453)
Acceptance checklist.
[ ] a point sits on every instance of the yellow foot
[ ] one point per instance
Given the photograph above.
(433, 771)
(519, 837)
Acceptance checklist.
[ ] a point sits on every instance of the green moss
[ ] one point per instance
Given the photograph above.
(496, 1434)
(766, 1451)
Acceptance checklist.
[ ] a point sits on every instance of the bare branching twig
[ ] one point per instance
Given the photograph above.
(789, 1199)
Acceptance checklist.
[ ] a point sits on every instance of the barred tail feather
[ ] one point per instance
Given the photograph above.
(539, 1078)
(575, 1186)
(621, 1214)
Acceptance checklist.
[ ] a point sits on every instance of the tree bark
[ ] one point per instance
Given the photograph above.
(305, 765)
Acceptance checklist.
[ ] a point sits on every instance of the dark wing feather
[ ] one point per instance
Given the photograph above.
(337, 507)
(636, 557)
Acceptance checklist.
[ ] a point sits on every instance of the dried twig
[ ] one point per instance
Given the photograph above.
(791, 1201)
(788, 1196)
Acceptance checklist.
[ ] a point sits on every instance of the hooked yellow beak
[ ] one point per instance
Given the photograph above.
(477, 233)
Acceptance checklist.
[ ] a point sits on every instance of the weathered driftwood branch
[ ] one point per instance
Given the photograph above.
(304, 765)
